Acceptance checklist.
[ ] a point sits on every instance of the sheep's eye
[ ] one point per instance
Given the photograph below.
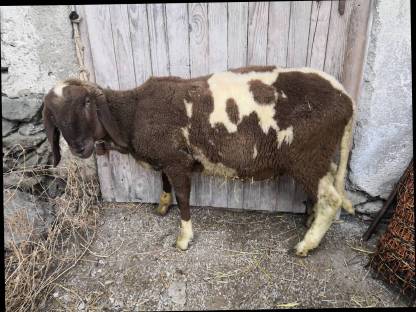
(87, 102)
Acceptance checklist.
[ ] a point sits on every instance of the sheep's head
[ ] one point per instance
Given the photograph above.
(79, 111)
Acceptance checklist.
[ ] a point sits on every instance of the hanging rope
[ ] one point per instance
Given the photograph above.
(75, 20)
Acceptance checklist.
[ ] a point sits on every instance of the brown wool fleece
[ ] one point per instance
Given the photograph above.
(152, 121)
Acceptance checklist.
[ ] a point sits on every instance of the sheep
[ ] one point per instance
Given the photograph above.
(255, 123)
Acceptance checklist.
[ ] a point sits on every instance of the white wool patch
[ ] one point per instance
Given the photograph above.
(307, 70)
(185, 235)
(255, 152)
(285, 135)
(326, 208)
(59, 88)
(227, 85)
(188, 107)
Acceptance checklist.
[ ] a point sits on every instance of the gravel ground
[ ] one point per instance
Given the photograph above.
(237, 260)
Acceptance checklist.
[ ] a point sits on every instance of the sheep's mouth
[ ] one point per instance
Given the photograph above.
(85, 152)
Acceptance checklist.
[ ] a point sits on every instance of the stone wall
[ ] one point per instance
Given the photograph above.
(37, 50)
(383, 138)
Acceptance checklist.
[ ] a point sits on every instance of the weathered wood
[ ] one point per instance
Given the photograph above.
(189, 40)
(198, 38)
(257, 54)
(157, 39)
(198, 54)
(257, 33)
(357, 38)
(237, 34)
(178, 38)
(318, 34)
(278, 33)
(237, 57)
(337, 40)
(102, 51)
(217, 59)
(300, 12)
(139, 33)
(140, 44)
(217, 36)
(85, 39)
(127, 79)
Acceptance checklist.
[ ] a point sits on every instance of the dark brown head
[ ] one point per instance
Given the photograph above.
(79, 111)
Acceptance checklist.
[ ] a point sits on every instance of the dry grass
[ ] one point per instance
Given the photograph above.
(35, 266)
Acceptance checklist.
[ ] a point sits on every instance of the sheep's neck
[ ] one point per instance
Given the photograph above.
(122, 109)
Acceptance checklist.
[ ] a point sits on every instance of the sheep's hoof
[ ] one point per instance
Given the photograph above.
(164, 203)
(346, 204)
(301, 249)
(182, 242)
(162, 209)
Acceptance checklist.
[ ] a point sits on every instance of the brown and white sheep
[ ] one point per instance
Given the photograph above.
(255, 123)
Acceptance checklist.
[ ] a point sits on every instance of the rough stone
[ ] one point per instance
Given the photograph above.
(18, 179)
(369, 207)
(177, 292)
(23, 108)
(383, 141)
(25, 141)
(8, 127)
(31, 129)
(24, 216)
(36, 42)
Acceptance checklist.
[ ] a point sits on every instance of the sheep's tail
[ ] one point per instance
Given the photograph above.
(345, 148)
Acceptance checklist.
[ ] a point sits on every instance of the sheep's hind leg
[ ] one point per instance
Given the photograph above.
(329, 201)
(182, 184)
(166, 197)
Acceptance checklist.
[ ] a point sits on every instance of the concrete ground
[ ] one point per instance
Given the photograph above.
(237, 260)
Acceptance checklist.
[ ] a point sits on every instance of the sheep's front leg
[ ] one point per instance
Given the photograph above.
(329, 201)
(182, 184)
(166, 196)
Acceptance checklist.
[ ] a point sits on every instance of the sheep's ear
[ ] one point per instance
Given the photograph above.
(52, 132)
(108, 122)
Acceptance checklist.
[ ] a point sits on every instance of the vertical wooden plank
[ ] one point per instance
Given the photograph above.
(356, 46)
(157, 39)
(256, 55)
(177, 25)
(318, 34)
(258, 13)
(237, 34)
(160, 66)
(139, 34)
(300, 12)
(237, 57)
(337, 39)
(122, 171)
(198, 38)
(198, 55)
(83, 29)
(218, 50)
(291, 195)
(217, 58)
(102, 51)
(269, 194)
(278, 33)
(178, 38)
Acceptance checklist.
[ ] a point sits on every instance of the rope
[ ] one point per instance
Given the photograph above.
(84, 74)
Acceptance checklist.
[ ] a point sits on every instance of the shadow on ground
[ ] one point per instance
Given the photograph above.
(237, 260)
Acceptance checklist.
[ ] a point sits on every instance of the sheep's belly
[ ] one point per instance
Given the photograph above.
(210, 168)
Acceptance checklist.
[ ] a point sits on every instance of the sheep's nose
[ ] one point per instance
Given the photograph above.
(80, 149)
